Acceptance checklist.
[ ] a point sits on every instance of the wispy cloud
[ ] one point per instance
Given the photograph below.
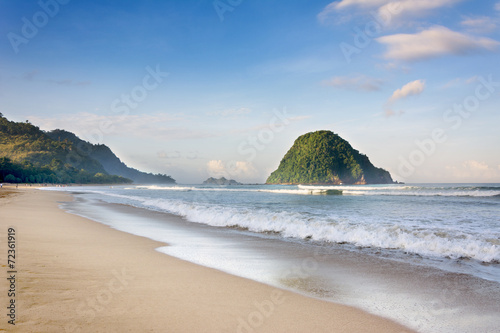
(434, 42)
(332, 10)
(69, 83)
(394, 8)
(472, 170)
(391, 113)
(414, 8)
(497, 6)
(29, 76)
(482, 24)
(343, 4)
(169, 155)
(231, 169)
(90, 126)
(458, 81)
(357, 82)
(230, 113)
(410, 89)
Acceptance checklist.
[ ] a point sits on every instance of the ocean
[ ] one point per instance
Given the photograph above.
(425, 255)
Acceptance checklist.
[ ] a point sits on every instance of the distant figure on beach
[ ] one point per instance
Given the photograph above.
(17, 185)
(1, 185)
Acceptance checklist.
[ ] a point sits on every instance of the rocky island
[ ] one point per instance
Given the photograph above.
(220, 181)
(323, 157)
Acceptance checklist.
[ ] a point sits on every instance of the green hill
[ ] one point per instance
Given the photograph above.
(109, 161)
(28, 154)
(323, 157)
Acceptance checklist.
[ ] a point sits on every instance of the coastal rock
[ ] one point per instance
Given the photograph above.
(323, 157)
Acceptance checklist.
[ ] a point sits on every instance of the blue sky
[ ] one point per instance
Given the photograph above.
(223, 88)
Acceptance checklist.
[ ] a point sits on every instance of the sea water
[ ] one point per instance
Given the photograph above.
(358, 245)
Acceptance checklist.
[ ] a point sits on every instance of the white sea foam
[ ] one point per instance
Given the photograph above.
(301, 191)
(437, 236)
(389, 190)
(434, 242)
(474, 193)
(398, 190)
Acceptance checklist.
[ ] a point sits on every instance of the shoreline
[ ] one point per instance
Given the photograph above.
(77, 275)
(422, 297)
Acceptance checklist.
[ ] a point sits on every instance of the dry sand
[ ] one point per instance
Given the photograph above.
(76, 275)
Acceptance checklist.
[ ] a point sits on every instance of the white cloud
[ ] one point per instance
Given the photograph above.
(413, 8)
(497, 6)
(475, 171)
(335, 6)
(434, 42)
(451, 83)
(357, 82)
(472, 79)
(391, 113)
(389, 9)
(237, 170)
(460, 81)
(215, 168)
(481, 24)
(412, 88)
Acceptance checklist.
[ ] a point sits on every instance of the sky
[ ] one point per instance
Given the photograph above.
(195, 89)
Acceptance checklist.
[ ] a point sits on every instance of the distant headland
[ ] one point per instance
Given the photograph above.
(30, 155)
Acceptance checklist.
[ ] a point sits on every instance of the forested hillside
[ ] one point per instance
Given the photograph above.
(323, 157)
(29, 155)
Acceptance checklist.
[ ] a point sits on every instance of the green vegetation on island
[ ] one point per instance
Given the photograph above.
(323, 157)
(30, 155)
(220, 181)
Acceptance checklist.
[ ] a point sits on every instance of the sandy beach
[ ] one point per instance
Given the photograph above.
(76, 275)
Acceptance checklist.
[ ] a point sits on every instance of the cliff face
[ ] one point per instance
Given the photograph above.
(323, 157)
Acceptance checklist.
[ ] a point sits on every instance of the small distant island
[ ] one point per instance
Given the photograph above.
(324, 158)
(220, 181)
